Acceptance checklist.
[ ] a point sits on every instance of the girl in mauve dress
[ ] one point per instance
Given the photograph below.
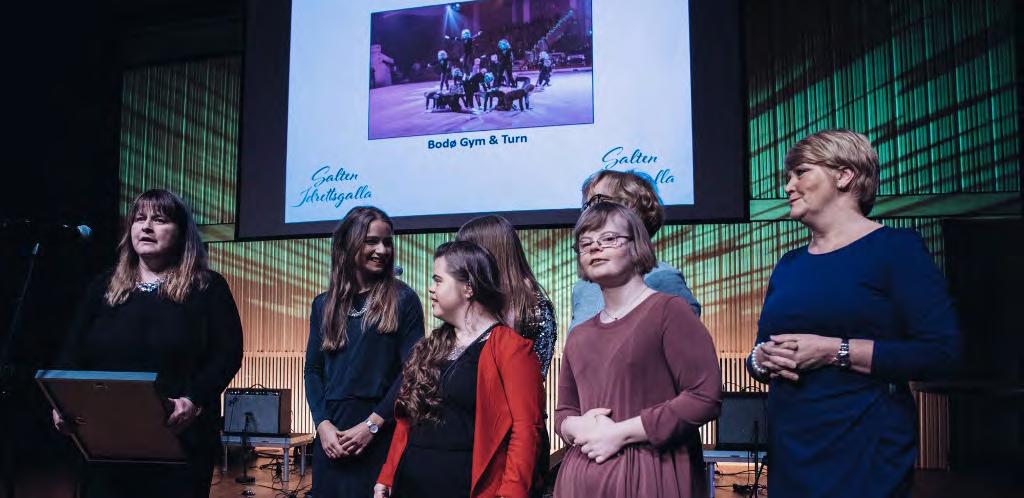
(638, 379)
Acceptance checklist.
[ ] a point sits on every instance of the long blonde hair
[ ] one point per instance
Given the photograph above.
(346, 243)
(188, 269)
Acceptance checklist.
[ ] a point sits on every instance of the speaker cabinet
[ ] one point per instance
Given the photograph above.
(258, 411)
(743, 422)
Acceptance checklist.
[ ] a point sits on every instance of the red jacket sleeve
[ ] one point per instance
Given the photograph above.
(520, 374)
(398, 442)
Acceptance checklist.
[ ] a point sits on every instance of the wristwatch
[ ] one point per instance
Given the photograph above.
(373, 427)
(842, 358)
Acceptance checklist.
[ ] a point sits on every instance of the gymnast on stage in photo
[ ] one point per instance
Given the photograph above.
(161, 309)
(469, 412)
(444, 66)
(634, 190)
(847, 321)
(638, 380)
(466, 40)
(475, 88)
(361, 331)
(504, 73)
(544, 78)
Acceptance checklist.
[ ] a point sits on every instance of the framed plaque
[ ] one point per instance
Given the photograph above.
(113, 416)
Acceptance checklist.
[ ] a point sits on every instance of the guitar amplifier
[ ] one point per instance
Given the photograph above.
(743, 424)
(258, 411)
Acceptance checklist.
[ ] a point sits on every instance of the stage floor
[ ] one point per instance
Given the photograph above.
(48, 481)
(927, 483)
(398, 110)
(266, 486)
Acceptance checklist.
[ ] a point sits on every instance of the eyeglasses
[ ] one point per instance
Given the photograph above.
(604, 241)
(594, 199)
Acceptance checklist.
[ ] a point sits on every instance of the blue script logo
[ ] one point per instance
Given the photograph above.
(321, 192)
(616, 157)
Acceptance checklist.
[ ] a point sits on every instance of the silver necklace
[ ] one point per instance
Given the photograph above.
(626, 309)
(457, 350)
(150, 286)
(358, 313)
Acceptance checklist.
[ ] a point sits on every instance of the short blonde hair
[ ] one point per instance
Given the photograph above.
(636, 190)
(840, 149)
(641, 251)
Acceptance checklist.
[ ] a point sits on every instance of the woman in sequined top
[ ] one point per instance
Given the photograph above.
(161, 309)
(527, 309)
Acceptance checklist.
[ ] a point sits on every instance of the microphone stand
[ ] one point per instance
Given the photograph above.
(8, 374)
(758, 466)
(245, 478)
(15, 326)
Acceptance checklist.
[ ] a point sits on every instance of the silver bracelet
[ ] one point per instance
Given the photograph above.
(758, 369)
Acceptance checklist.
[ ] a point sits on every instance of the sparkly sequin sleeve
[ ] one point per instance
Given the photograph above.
(542, 330)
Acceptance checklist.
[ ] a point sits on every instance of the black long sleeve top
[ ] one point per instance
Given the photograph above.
(370, 364)
(194, 347)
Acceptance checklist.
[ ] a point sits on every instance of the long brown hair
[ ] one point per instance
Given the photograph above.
(346, 244)
(188, 269)
(499, 237)
(419, 399)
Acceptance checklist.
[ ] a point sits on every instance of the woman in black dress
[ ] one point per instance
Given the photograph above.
(527, 309)
(469, 408)
(161, 309)
(361, 331)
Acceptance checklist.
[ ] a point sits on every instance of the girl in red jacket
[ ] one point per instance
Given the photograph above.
(469, 410)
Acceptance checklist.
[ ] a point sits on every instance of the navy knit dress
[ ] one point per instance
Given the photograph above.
(346, 385)
(839, 433)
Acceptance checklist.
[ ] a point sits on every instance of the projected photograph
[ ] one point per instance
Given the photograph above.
(463, 100)
(477, 66)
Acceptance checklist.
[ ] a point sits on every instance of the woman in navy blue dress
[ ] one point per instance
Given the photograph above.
(361, 331)
(847, 321)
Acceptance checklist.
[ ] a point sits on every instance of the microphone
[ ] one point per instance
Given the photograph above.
(398, 271)
(82, 232)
